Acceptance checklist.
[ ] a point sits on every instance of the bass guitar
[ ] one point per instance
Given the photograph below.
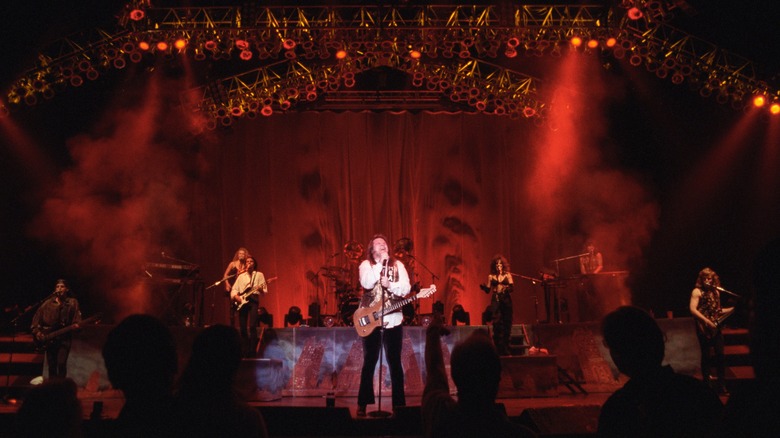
(366, 319)
(45, 338)
(237, 305)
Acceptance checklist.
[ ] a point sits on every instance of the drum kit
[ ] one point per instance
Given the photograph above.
(347, 294)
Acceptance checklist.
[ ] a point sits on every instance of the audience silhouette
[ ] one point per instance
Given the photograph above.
(656, 401)
(476, 371)
(140, 357)
(752, 410)
(207, 403)
(50, 410)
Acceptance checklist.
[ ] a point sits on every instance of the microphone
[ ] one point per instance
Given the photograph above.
(384, 267)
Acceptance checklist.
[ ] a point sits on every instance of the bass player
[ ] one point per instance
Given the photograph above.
(58, 311)
(382, 278)
(245, 292)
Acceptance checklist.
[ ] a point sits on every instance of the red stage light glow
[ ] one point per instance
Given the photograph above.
(576, 41)
(162, 46)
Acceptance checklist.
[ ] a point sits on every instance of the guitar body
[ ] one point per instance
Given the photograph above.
(248, 293)
(368, 318)
(710, 332)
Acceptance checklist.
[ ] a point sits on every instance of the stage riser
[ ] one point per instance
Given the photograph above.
(318, 361)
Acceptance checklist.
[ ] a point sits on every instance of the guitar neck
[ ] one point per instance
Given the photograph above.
(398, 304)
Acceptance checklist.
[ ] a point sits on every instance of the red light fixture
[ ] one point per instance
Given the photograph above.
(137, 14)
(635, 13)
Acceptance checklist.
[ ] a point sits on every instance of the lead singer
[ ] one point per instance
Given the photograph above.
(382, 277)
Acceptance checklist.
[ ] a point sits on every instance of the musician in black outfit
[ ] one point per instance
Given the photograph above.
(382, 277)
(58, 311)
(706, 310)
(500, 285)
(245, 294)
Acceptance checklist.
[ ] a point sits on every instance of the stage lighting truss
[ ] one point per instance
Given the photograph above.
(302, 54)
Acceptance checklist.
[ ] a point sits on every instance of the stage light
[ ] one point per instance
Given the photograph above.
(759, 101)
(593, 43)
(341, 54)
(774, 109)
(415, 54)
(162, 46)
(611, 42)
(576, 41)
(288, 44)
(143, 45)
(180, 43)
(267, 110)
(634, 13)
(510, 52)
(242, 44)
(245, 55)
(293, 317)
(137, 14)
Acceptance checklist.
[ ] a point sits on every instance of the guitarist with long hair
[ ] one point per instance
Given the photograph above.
(382, 278)
(60, 310)
(245, 292)
(707, 312)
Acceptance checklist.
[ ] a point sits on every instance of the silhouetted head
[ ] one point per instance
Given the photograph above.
(764, 332)
(215, 358)
(476, 368)
(140, 356)
(635, 342)
(51, 409)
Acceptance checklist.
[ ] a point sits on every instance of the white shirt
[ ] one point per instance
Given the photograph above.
(370, 274)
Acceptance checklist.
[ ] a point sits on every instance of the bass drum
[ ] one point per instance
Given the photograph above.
(347, 308)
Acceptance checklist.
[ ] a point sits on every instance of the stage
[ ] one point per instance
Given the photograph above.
(313, 374)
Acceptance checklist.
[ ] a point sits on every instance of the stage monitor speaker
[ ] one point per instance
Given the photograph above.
(562, 420)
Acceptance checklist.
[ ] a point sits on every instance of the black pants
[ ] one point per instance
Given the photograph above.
(712, 356)
(247, 319)
(393, 340)
(57, 358)
(501, 305)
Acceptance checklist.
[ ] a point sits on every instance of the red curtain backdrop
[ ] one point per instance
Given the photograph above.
(294, 188)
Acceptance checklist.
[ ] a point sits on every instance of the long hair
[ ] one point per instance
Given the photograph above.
(370, 249)
(235, 256)
(498, 258)
(707, 273)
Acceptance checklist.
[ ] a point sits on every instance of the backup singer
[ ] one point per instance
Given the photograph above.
(707, 312)
(382, 277)
(58, 311)
(245, 294)
(235, 267)
(500, 285)
(592, 262)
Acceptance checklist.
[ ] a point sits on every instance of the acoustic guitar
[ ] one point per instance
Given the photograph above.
(366, 319)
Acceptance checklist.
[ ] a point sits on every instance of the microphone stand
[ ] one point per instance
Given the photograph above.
(213, 292)
(379, 413)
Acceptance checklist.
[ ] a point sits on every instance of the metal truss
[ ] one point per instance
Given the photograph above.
(452, 50)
